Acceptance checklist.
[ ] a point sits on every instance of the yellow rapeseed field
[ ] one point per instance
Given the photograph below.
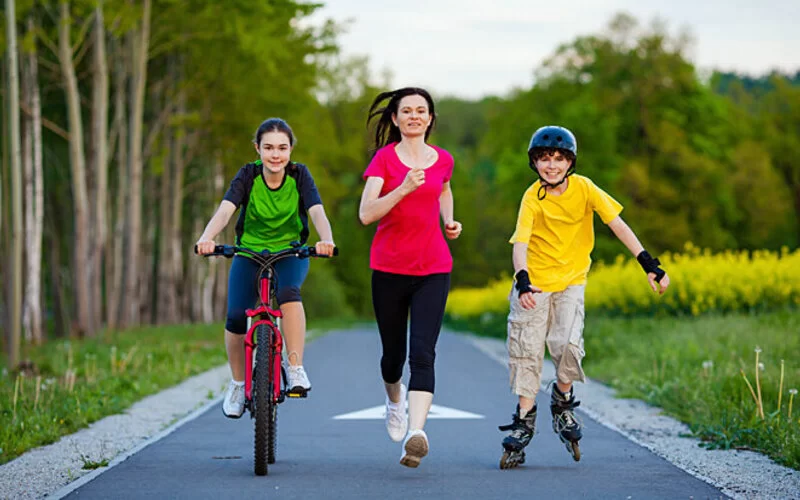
(702, 282)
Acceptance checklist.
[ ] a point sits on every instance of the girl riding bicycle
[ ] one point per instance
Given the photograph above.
(277, 196)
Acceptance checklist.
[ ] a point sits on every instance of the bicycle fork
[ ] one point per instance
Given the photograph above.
(250, 345)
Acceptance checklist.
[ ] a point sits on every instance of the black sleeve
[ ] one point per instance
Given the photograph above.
(240, 186)
(307, 187)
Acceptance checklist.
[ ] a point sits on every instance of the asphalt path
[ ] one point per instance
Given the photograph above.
(322, 456)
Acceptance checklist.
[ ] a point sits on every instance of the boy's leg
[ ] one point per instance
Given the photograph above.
(527, 329)
(565, 343)
(565, 336)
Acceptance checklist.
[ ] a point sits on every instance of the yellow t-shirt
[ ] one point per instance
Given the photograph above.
(559, 232)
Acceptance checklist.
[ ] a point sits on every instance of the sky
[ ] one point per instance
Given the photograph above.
(473, 48)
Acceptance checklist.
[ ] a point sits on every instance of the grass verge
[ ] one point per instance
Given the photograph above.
(704, 371)
(65, 385)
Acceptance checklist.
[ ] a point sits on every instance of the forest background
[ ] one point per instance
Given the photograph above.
(133, 117)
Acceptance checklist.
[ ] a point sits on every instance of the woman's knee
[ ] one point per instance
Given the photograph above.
(392, 368)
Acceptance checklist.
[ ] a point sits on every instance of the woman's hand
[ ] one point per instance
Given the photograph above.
(325, 248)
(205, 247)
(414, 179)
(452, 229)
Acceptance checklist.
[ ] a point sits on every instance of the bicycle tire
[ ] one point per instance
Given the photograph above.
(273, 427)
(264, 401)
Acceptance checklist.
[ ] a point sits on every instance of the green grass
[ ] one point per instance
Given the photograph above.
(692, 368)
(81, 381)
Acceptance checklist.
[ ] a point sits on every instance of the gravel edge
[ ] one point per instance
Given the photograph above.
(54, 470)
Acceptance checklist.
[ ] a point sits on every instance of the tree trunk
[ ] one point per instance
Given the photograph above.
(78, 173)
(34, 193)
(26, 141)
(148, 254)
(175, 247)
(131, 300)
(166, 306)
(209, 295)
(114, 270)
(99, 161)
(15, 304)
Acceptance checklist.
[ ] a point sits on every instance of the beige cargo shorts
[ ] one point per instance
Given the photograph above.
(556, 320)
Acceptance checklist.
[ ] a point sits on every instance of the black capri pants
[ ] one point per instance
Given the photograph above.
(393, 296)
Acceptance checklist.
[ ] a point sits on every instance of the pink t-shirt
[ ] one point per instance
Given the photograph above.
(409, 239)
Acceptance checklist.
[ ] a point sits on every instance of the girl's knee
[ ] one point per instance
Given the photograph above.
(236, 322)
(289, 294)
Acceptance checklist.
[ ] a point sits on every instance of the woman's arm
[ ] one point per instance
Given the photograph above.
(215, 226)
(373, 207)
(452, 228)
(446, 204)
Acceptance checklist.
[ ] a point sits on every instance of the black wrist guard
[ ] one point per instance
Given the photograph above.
(650, 265)
(522, 282)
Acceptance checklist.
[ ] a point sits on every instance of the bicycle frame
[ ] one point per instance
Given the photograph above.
(266, 315)
(264, 409)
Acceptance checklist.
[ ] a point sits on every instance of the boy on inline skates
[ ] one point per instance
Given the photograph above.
(552, 242)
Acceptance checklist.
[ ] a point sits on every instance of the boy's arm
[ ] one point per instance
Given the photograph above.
(657, 277)
(522, 281)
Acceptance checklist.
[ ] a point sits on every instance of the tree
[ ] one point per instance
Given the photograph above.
(15, 305)
(34, 191)
(77, 155)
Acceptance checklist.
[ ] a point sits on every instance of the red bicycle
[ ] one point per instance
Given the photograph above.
(265, 383)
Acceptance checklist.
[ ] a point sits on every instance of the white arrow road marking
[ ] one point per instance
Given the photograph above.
(379, 413)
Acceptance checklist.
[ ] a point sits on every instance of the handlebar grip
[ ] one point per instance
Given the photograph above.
(223, 250)
(312, 252)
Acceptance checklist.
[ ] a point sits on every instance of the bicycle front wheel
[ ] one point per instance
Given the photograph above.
(266, 407)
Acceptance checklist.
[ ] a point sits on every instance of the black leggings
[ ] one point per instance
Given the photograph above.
(393, 295)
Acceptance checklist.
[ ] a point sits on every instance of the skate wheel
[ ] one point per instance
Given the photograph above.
(511, 459)
(574, 450)
(504, 462)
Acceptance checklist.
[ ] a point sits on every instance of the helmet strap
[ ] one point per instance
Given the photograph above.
(544, 184)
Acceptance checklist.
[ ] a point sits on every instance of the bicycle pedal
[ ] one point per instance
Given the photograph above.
(297, 394)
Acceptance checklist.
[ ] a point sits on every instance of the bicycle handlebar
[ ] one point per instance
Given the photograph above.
(266, 257)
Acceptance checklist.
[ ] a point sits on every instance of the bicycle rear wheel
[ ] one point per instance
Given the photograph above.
(266, 410)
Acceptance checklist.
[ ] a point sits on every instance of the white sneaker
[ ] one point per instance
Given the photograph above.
(233, 405)
(298, 380)
(414, 448)
(396, 418)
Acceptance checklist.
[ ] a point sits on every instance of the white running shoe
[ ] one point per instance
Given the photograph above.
(233, 405)
(414, 448)
(396, 418)
(298, 380)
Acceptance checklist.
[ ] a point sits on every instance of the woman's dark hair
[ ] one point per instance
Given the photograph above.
(386, 131)
(275, 125)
